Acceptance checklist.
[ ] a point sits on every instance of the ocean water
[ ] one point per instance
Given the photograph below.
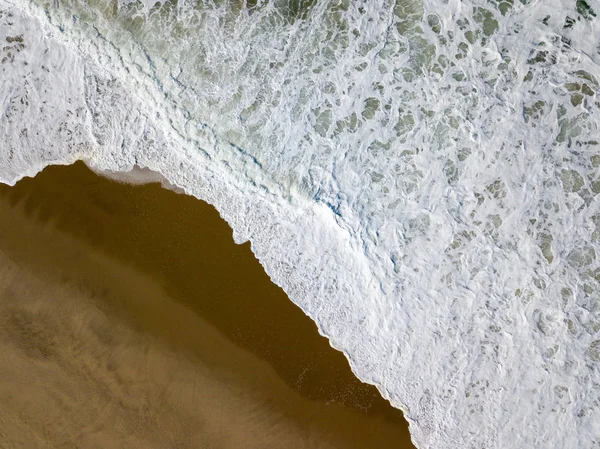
(421, 177)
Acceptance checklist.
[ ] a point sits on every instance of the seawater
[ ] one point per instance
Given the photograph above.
(420, 177)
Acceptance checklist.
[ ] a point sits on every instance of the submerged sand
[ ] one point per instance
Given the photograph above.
(129, 318)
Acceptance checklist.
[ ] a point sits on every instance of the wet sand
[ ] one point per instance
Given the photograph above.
(129, 318)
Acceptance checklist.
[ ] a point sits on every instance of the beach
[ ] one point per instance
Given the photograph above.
(130, 318)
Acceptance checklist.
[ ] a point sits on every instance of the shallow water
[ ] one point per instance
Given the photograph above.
(422, 178)
(132, 304)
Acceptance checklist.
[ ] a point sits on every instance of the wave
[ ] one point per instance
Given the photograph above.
(421, 178)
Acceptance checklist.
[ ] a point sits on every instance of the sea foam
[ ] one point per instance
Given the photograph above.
(420, 177)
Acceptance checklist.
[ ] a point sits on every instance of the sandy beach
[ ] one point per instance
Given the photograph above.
(129, 318)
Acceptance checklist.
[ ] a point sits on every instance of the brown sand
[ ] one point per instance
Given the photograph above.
(129, 318)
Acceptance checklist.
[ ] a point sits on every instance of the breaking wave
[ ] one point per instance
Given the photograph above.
(421, 177)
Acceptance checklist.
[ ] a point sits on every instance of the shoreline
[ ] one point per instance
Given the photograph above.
(97, 224)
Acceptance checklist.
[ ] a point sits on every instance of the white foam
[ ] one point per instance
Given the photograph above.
(425, 192)
(138, 176)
